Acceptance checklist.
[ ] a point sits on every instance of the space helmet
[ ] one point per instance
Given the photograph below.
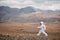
(42, 22)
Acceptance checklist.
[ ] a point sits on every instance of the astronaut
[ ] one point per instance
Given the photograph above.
(42, 29)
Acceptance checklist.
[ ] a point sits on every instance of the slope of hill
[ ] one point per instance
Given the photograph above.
(28, 14)
(6, 12)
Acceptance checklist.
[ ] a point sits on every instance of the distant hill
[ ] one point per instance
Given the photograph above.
(28, 14)
(7, 12)
(28, 10)
(7, 9)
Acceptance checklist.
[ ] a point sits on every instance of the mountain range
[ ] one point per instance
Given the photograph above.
(28, 14)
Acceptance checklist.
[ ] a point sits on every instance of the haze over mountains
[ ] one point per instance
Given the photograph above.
(28, 14)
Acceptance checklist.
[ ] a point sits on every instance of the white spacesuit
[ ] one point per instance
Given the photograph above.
(42, 29)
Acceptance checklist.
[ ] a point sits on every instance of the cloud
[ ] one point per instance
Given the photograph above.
(50, 5)
(42, 4)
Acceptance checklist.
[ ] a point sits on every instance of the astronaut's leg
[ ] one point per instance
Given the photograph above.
(39, 33)
(44, 33)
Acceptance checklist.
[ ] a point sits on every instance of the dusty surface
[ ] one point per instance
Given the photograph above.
(30, 29)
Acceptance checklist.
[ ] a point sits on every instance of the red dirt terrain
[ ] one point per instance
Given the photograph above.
(28, 27)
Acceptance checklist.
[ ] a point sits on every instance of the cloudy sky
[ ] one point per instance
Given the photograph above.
(41, 4)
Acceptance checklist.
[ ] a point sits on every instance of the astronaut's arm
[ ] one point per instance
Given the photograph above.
(38, 27)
